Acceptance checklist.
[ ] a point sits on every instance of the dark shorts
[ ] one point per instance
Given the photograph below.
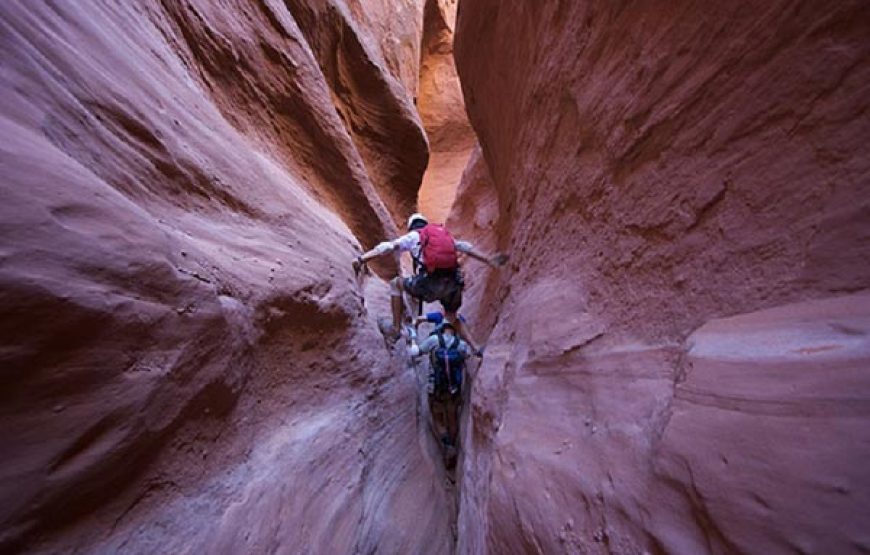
(445, 287)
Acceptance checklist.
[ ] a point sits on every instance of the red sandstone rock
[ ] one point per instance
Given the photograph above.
(443, 113)
(676, 355)
(187, 362)
(475, 214)
(659, 168)
(768, 427)
(375, 106)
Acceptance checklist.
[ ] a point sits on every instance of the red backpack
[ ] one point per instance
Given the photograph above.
(437, 248)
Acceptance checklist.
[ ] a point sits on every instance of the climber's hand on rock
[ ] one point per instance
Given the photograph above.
(498, 260)
(358, 265)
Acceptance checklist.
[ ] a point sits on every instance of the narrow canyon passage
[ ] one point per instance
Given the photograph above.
(442, 109)
(676, 353)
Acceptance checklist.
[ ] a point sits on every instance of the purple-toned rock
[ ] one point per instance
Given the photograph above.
(677, 351)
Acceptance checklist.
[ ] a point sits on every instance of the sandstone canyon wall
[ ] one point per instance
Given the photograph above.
(678, 354)
(442, 111)
(188, 362)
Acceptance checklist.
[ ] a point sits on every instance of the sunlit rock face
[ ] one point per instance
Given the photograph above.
(188, 362)
(677, 353)
(442, 110)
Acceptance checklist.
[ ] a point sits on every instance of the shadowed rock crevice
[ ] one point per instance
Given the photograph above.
(376, 109)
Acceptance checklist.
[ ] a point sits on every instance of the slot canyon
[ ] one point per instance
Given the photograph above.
(677, 352)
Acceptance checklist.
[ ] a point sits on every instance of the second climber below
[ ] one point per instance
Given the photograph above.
(437, 274)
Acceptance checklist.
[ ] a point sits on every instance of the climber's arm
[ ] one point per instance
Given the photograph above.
(404, 243)
(379, 250)
(465, 349)
(427, 345)
(496, 261)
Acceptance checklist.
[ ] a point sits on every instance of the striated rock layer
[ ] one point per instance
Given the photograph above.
(372, 80)
(188, 363)
(677, 354)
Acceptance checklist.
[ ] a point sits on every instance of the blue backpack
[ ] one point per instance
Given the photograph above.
(448, 362)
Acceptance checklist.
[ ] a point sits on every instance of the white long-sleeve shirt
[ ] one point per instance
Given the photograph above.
(410, 242)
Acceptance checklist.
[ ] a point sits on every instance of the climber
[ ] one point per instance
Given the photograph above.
(447, 355)
(437, 274)
(449, 345)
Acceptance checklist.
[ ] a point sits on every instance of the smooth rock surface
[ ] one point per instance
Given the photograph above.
(677, 354)
(769, 427)
(442, 110)
(188, 362)
(369, 54)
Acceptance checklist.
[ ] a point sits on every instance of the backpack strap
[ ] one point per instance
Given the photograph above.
(446, 364)
(433, 354)
(443, 344)
(416, 261)
(455, 345)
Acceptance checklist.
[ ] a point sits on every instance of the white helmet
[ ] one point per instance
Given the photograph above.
(416, 217)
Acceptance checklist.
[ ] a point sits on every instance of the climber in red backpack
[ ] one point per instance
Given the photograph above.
(437, 278)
